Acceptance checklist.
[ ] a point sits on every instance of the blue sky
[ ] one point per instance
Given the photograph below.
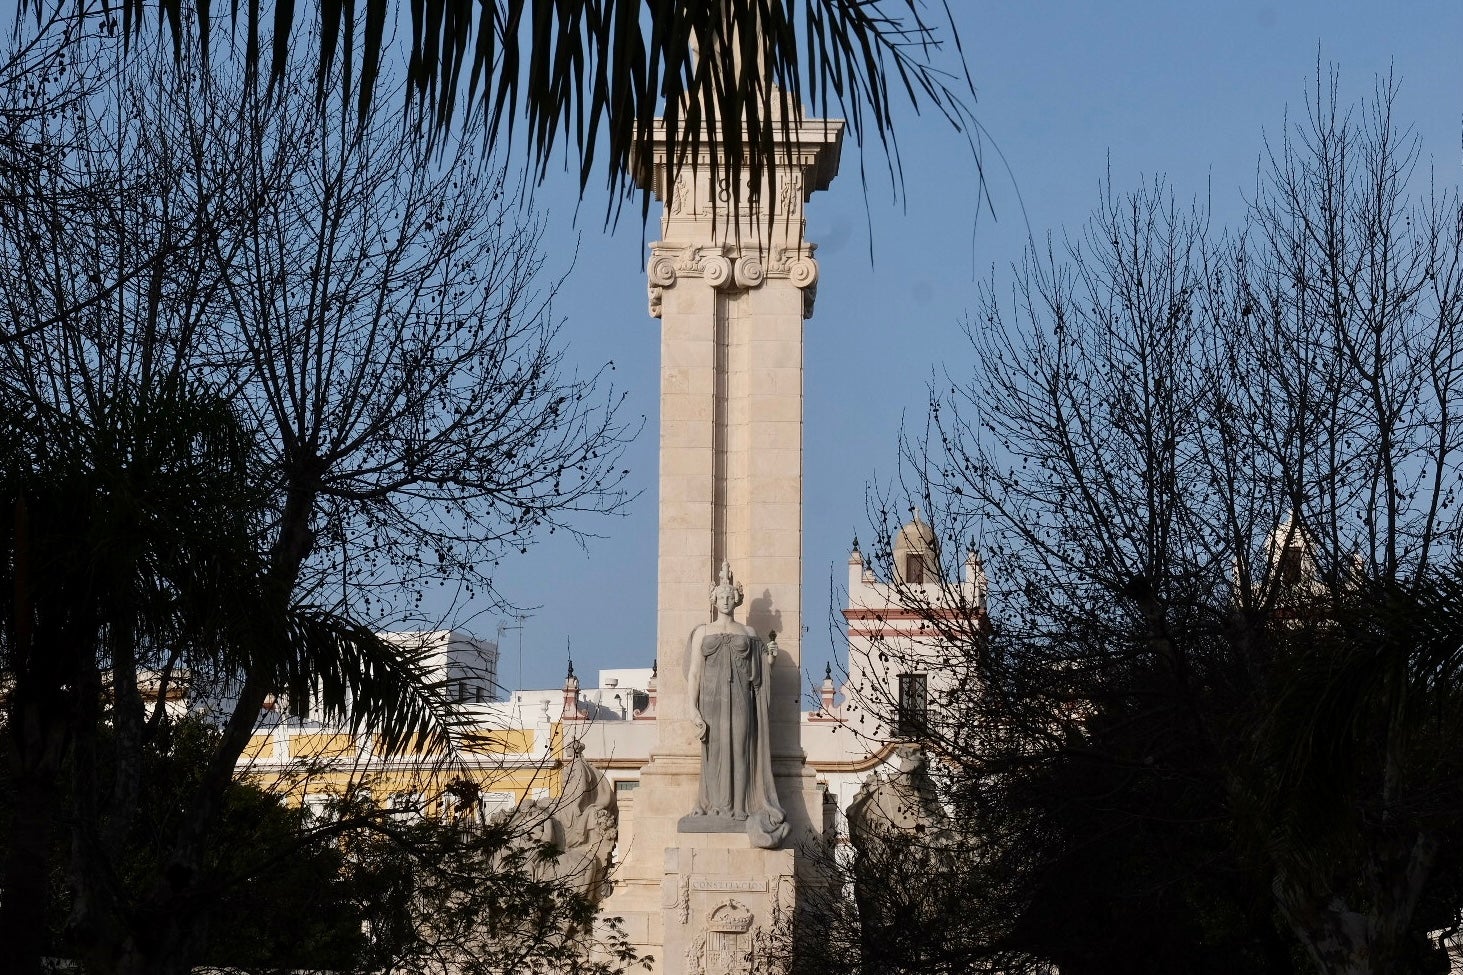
(1068, 92)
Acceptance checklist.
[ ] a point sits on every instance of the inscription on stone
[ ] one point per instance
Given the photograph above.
(703, 883)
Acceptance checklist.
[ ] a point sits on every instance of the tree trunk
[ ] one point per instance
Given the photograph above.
(26, 897)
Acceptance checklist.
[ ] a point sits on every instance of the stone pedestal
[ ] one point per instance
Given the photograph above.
(726, 912)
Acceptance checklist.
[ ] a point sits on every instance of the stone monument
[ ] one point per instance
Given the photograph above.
(711, 873)
(578, 829)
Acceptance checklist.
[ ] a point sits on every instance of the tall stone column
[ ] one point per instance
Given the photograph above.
(731, 290)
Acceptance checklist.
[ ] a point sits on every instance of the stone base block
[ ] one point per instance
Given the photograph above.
(726, 911)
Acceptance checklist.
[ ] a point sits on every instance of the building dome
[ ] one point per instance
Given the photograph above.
(916, 553)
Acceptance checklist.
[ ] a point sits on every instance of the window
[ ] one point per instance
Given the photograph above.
(1290, 565)
(914, 569)
(913, 710)
(320, 807)
(493, 803)
(626, 785)
(404, 807)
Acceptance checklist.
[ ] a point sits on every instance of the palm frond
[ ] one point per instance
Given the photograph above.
(353, 677)
(1382, 667)
(595, 73)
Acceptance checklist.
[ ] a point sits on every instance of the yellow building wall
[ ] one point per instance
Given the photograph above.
(334, 763)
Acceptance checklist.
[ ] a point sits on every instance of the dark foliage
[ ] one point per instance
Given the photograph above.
(1214, 478)
(592, 76)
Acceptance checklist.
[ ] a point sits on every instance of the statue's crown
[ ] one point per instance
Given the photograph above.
(726, 583)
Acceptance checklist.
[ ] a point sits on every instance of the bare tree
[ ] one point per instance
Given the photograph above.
(389, 331)
(283, 360)
(1214, 479)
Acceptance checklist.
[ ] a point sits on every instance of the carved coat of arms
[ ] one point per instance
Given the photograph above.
(726, 946)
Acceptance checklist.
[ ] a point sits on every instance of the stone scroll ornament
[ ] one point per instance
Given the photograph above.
(729, 677)
(730, 268)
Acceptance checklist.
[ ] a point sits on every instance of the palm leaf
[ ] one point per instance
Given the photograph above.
(367, 684)
(595, 73)
(149, 507)
(1384, 665)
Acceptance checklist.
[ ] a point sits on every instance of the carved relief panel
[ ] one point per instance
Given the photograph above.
(725, 924)
(727, 944)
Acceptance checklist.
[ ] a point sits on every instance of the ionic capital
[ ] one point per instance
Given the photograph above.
(728, 267)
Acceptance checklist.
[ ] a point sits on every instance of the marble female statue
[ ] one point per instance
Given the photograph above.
(729, 679)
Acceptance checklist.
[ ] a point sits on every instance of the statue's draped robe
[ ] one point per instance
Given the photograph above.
(736, 757)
